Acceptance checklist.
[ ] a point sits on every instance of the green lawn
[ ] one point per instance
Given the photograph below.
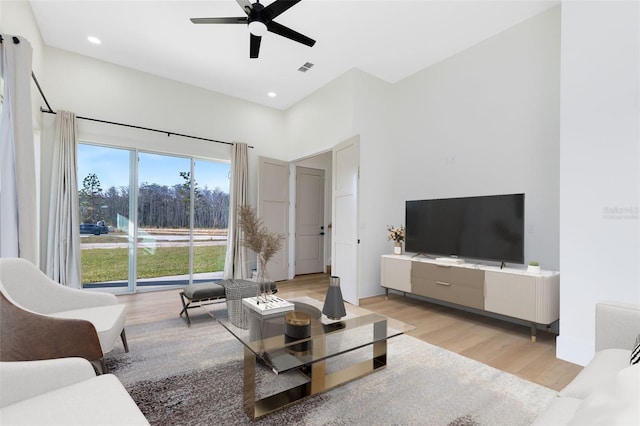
(99, 265)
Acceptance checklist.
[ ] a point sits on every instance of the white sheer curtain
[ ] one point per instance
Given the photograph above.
(63, 245)
(236, 261)
(18, 206)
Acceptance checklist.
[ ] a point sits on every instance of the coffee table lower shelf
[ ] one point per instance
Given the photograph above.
(319, 380)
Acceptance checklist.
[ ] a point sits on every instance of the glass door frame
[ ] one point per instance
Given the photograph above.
(132, 220)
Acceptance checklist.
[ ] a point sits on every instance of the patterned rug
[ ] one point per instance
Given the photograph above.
(181, 375)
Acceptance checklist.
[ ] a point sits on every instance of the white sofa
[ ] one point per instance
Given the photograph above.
(64, 391)
(607, 390)
(42, 319)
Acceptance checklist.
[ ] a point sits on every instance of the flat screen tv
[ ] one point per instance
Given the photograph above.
(486, 227)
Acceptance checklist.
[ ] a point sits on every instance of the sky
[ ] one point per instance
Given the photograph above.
(111, 166)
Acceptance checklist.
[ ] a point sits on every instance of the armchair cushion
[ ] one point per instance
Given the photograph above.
(108, 320)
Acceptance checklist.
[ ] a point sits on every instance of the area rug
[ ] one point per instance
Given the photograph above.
(181, 375)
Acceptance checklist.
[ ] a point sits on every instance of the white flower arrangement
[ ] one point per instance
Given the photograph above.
(395, 234)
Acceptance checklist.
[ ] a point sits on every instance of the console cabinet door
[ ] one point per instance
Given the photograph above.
(529, 297)
(395, 273)
(462, 286)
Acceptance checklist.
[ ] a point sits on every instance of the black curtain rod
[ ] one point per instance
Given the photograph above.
(143, 128)
(35, 80)
(49, 110)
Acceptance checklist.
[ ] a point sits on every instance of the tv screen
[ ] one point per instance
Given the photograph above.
(487, 227)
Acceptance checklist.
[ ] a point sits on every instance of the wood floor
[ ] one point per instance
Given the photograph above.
(497, 343)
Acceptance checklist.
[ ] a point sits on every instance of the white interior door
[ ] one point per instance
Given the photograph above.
(273, 209)
(310, 231)
(344, 253)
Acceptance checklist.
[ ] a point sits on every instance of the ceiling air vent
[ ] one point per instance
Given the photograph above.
(306, 67)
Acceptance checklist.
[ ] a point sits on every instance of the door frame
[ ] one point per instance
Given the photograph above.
(320, 160)
(345, 250)
(301, 170)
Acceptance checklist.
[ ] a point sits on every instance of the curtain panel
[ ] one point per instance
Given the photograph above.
(236, 261)
(18, 205)
(63, 236)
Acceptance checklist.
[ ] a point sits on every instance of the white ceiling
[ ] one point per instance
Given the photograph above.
(388, 39)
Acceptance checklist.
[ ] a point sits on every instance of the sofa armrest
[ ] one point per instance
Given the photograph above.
(21, 380)
(69, 299)
(617, 325)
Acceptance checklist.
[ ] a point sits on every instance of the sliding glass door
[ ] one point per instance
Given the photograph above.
(104, 199)
(169, 232)
(164, 210)
(210, 218)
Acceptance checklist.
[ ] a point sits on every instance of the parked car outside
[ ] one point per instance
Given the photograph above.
(95, 229)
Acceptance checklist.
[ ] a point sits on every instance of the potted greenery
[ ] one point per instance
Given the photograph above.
(397, 235)
(534, 266)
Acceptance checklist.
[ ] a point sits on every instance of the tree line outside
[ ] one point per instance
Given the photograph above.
(159, 206)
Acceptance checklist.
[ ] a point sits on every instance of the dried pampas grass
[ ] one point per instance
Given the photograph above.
(256, 237)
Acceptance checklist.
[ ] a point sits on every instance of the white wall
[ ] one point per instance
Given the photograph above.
(377, 154)
(485, 122)
(321, 120)
(600, 167)
(98, 89)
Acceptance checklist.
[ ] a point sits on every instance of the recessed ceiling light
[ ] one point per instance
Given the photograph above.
(272, 94)
(94, 40)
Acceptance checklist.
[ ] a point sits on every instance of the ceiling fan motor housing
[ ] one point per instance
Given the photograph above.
(255, 20)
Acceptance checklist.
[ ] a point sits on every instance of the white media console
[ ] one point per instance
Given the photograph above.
(515, 293)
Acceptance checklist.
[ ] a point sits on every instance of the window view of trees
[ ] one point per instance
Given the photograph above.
(159, 206)
(164, 228)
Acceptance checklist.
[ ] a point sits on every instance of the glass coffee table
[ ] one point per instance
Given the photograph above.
(303, 340)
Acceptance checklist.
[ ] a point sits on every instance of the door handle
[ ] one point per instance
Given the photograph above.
(322, 233)
(443, 283)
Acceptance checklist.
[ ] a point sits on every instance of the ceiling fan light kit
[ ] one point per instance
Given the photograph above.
(257, 28)
(260, 20)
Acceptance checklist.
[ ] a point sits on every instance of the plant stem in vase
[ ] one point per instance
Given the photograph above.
(397, 248)
(263, 282)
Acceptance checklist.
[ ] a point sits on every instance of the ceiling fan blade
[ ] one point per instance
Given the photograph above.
(278, 7)
(245, 5)
(254, 48)
(239, 20)
(283, 31)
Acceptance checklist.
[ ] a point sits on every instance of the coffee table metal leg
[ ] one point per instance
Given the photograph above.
(249, 388)
(318, 369)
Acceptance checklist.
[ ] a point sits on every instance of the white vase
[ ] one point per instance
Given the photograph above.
(534, 268)
(397, 248)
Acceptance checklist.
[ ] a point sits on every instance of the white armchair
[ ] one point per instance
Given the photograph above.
(63, 391)
(42, 319)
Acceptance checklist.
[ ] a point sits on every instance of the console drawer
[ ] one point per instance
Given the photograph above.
(457, 285)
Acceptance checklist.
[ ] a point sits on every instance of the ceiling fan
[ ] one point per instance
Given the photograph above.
(260, 20)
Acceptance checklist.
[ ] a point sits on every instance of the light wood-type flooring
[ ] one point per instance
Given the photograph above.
(494, 342)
